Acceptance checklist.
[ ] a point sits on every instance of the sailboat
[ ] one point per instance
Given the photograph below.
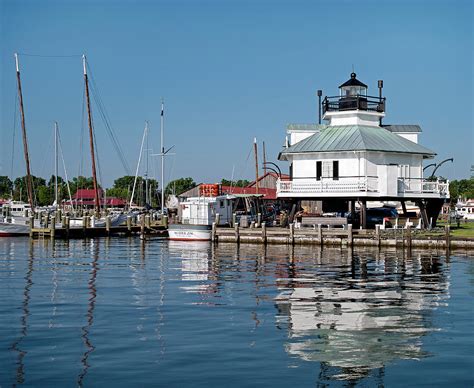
(15, 221)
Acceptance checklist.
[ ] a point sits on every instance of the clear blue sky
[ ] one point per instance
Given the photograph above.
(230, 71)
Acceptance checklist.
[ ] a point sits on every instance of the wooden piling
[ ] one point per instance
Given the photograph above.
(32, 225)
(292, 233)
(53, 228)
(237, 233)
(320, 234)
(377, 234)
(213, 232)
(264, 233)
(142, 224)
(68, 224)
(259, 220)
(107, 224)
(129, 224)
(148, 221)
(447, 230)
(409, 237)
(350, 236)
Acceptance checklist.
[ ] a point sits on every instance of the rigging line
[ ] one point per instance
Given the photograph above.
(14, 135)
(81, 147)
(103, 112)
(50, 56)
(65, 171)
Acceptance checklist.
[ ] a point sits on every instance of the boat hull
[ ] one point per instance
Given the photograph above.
(185, 232)
(12, 230)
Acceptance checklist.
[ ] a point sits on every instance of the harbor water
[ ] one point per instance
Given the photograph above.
(127, 312)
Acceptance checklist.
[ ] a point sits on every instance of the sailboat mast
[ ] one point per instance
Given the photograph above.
(256, 164)
(264, 160)
(162, 158)
(29, 183)
(56, 163)
(91, 138)
(147, 199)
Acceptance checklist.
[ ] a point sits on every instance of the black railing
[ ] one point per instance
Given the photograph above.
(360, 102)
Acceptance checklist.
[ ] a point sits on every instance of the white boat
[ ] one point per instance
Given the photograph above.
(14, 219)
(197, 216)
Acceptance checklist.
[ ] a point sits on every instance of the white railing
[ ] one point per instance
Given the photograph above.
(423, 186)
(325, 185)
(406, 186)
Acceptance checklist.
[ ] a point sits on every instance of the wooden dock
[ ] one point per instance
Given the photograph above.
(406, 237)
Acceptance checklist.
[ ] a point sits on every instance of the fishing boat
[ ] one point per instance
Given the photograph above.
(197, 214)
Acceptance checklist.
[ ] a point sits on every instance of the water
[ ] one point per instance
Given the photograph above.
(123, 312)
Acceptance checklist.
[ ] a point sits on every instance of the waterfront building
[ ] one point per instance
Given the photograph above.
(354, 157)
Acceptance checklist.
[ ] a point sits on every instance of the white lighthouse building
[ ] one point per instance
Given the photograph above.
(354, 157)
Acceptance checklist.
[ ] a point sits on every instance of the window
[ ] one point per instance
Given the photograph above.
(403, 171)
(327, 169)
(318, 170)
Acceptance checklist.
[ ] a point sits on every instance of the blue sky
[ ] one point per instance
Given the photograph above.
(229, 71)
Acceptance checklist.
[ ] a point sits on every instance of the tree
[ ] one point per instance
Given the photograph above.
(462, 189)
(239, 183)
(6, 186)
(20, 192)
(179, 186)
(80, 182)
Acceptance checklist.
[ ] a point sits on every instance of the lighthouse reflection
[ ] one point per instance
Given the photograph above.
(356, 314)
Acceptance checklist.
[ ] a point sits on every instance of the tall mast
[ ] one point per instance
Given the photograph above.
(91, 138)
(29, 183)
(264, 160)
(56, 162)
(256, 164)
(162, 157)
(147, 199)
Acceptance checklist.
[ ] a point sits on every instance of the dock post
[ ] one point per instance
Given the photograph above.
(409, 237)
(32, 225)
(320, 234)
(165, 221)
(213, 232)
(107, 224)
(68, 223)
(350, 236)
(129, 224)
(377, 234)
(292, 233)
(237, 234)
(45, 222)
(447, 230)
(218, 218)
(84, 224)
(259, 220)
(148, 221)
(53, 227)
(142, 223)
(63, 222)
(264, 233)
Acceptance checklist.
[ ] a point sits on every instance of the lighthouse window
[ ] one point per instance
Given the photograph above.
(327, 169)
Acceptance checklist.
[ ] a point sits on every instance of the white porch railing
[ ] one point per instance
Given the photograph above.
(406, 187)
(327, 185)
(423, 186)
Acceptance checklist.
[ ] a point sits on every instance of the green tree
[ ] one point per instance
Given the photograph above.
(80, 182)
(20, 192)
(461, 189)
(179, 186)
(238, 183)
(6, 186)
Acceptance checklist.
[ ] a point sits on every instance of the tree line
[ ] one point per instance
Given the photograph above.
(122, 188)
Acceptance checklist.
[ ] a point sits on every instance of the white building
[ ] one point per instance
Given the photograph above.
(355, 158)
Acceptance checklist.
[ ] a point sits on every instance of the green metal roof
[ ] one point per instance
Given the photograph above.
(305, 127)
(356, 138)
(403, 128)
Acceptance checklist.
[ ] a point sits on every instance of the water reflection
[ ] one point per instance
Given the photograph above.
(356, 315)
(16, 346)
(91, 285)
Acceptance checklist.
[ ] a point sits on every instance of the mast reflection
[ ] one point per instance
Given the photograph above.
(16, 346)
(356, 317)
(91, 285)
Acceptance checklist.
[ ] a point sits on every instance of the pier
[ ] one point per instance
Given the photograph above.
(320, 235)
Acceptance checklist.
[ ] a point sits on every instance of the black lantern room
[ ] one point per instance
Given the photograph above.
(353, 88)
